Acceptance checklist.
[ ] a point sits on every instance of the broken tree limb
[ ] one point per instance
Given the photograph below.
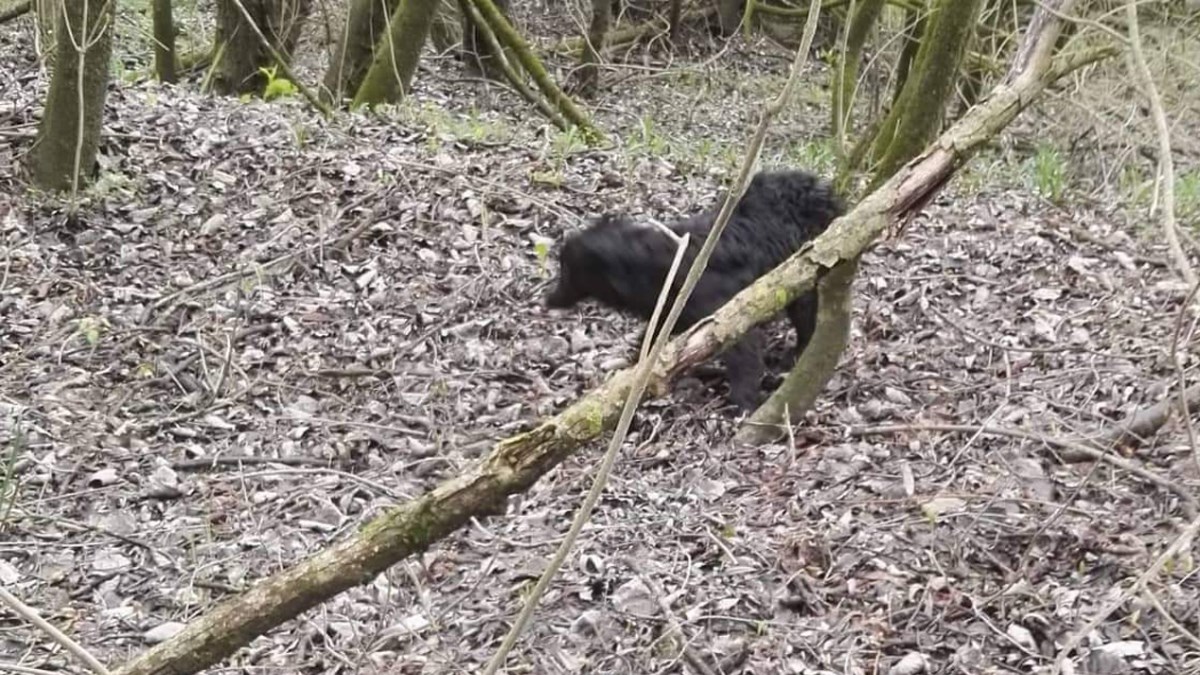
(516, 463)
(1144, 423)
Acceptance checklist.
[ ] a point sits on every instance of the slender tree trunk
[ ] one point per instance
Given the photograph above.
(916, 116)
(69, 133)
(593, 45)
(914, 28)
(397, 54)
(446, 31)
(845, 72)
(673, 19)
(46, 15)
(813, 368)
(729, 16)
(241, 52)
(476, 52)
(354, 48)
(511, 40)
(164, 40)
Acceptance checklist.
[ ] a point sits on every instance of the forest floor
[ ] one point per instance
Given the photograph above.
(266, 328)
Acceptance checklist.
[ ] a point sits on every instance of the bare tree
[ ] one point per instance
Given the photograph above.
(593, 44)
(164, 40)
(397, 54)
(241, 55)
(68, 136)
(354, 47)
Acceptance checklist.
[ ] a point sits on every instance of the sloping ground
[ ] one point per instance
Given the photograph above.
(403, 331)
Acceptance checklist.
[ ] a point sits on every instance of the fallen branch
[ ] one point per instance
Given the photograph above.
(26, 612)
(516, 463)
(623, 37)
(1144, 423)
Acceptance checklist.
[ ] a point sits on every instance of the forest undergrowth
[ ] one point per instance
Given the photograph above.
(265, 326)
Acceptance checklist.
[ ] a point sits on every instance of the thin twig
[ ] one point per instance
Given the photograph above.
(1181, 542)
(26, 612)
(1166, 166)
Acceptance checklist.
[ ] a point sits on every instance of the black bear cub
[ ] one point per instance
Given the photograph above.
(623, 265)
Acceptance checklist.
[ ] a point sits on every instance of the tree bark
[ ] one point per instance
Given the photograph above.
(352, 52)
(593, 46)
(815, 366)
(917, 113)
(396, 56)
(69, 133)
(845, 78)
(512, 40)
(516, 463)
(164, 41)
(729, 16)
(477, 52)
(242, 54)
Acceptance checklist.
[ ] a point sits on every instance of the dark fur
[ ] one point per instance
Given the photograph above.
(623, 265)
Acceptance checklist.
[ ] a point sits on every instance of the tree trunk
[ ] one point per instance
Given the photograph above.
(350, 58)
(69, 132)
(446, 32)
(673, 19)
(164, 41)
(476, 53)
(813, 368)
(845, 71)
(916, 115)
(46, 15)
(729, 16)
(510, 39)
(593, 45)
(242, 53)
(914, 28)
(397, 54)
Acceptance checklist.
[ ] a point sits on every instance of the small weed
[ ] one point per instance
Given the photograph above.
(1048, 172)
(567, 142)
(815, 155)
(300, 134)
(276, 87)
(1187, 194)
(649, 140)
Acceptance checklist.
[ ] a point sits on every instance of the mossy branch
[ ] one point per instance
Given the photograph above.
(511, 39)
(506, 69)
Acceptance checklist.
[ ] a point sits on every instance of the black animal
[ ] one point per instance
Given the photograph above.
(623, 265)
